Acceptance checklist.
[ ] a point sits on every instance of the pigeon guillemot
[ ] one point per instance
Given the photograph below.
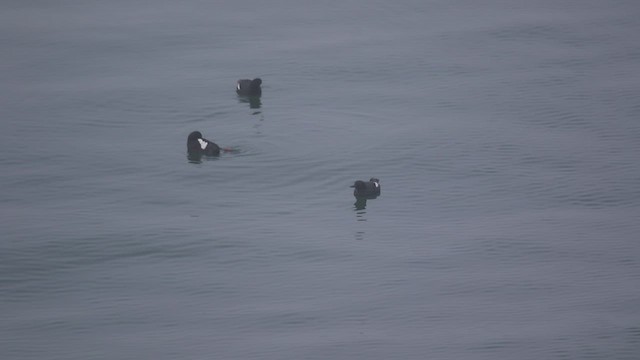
(247, 87)
(197, 145)
(369, 188)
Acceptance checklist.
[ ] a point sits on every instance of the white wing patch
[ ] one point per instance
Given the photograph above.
(376, 184)
(203, 144)
(238, 86)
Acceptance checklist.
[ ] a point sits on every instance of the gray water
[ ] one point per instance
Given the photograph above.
(506, 137)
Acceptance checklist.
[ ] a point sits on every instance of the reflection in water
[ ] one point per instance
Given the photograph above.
(254, 102)
(361, 203)
(360, 217)
(359, 208)
(196, 158)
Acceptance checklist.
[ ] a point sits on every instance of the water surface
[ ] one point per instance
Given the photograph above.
(505, 137)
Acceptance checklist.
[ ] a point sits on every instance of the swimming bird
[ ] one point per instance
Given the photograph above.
(197, 145)
(369, 188)
(247, 87)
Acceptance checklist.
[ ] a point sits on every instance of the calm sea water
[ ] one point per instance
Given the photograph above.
(506, 137)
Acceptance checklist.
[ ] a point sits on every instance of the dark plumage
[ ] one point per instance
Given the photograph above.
(247, 87)
(197, 145)
(369, 188)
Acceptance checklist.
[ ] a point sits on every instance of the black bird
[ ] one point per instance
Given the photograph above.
(197, 145)
(370, 189)
(247, 87)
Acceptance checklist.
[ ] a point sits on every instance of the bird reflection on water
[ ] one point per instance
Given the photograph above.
(361, 203)
(253, 101)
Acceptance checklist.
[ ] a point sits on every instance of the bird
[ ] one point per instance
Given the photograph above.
(369, 188)
(247, 87)
(198, 145)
